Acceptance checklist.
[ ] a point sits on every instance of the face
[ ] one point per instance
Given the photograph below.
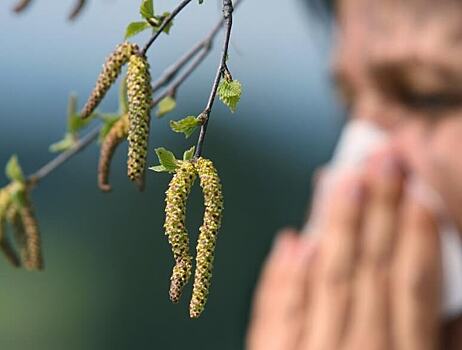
(399, 63)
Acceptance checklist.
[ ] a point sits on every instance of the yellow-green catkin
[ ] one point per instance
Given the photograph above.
(13, 218)
(213, 202)
(5, 245)
(5, 200)
(115, 136)
(139, 107)
(175, 226)
(109, 74)
(33, 247)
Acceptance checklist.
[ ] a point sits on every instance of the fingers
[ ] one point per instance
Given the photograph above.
(278, 306)
(417, 280)
(326, 315)
(370, 325)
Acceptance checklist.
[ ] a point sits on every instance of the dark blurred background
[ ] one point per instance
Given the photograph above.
(107, 260)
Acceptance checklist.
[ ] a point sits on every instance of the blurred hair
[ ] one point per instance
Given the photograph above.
(323, 7)
(321, 11)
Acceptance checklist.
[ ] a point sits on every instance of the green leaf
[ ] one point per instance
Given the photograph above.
(189, 154)
(13, 170)
(72, 105)
(108, 122)
(75, 123)
(157, 21)
(230, 92)
(18, 193)
(166, 105)
(169, 25)
(63, 145)
(187, 125)
(147, 9)
(159, 169)
(123, 98)
(167, 160)
(135, 28)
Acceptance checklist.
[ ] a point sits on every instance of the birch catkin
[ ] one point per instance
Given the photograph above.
(33, 247)
(139, 107)
(116, 135)
(5, 245)
(175, 226)
(213, 202)
(109, 74)
(15, 221)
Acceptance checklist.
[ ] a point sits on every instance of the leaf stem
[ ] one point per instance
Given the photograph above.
(205, 115)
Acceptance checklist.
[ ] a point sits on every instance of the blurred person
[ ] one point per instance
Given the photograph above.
(369, 275)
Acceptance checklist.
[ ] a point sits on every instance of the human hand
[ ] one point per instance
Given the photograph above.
(371, 280)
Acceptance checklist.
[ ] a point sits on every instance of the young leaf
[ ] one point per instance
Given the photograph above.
(75, 123)
(169, 25)
(167, 160)
(18, 193)
(72, 105)
(166, 105)
(13, 170)
(66, 143)
(157, 21)
(147, 9)
(135, 28)
(159, 169)
(187, 125)
(108, 123)
(230, 92)
(188, 155)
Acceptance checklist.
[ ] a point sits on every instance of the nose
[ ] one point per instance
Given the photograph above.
(374, 108)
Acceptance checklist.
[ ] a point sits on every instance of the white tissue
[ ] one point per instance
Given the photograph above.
(358, 140)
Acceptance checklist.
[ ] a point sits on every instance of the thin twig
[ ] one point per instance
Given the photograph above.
(166, 22)
(205, 115)
(173, 70)
(173, 87)
(81, 144)
(21, 5)
(167, 76)
(77, 9)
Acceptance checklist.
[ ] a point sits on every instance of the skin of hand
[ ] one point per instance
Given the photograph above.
(370, 279)
(397, 64)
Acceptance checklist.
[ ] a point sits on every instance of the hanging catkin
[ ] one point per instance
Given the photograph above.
(115, 136)
(139, 107)
(5, 244)
(175, 226)
(109, 74)
(15, 221)
(33, 260)
(213, 202)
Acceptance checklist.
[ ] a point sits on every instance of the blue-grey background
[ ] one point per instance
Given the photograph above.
(107, 260)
